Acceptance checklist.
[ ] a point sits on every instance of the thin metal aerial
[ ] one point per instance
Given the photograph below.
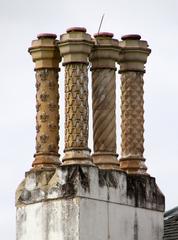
(101, 23)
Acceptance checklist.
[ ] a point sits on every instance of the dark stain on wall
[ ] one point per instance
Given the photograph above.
(107, 178)
(144, 190)
(75, 175)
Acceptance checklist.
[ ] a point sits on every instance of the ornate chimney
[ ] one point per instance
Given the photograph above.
(103, 59)
(46, 56)
(132, 59)
(75, 47)
(81, 198)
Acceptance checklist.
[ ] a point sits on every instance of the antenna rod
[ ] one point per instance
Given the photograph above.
(101, 23)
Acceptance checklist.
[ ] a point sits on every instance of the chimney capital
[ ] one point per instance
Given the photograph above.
(134, 53)
(45, 52)
(105, 51)
(75, 45)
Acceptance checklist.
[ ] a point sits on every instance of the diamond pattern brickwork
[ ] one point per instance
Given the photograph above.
(132, 114)
(76, 106)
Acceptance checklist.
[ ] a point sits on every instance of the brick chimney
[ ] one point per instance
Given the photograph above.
(46, 56)
(103, 59)
(75, 47)
(132, 59)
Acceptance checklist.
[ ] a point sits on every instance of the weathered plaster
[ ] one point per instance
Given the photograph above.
(84, 181)
(83, 202)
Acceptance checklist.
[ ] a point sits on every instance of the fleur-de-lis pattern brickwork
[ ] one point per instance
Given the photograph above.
(132, 114)
(76, 106)
(47, 118)
(104, 123)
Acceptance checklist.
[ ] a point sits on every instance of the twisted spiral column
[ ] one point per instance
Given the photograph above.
(75, 47)
(132, 59)
(46, 57)
(104, 135)
(103, 58)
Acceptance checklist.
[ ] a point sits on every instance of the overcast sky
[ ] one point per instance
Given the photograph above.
(21, 20)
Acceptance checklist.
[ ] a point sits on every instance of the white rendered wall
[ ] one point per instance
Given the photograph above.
(110, 221)
(53, 206)
(51, 220)
(87, 219)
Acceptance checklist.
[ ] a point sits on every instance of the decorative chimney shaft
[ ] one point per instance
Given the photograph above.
(132, 59)
(75, 47)
(103, 58)
(46, 56)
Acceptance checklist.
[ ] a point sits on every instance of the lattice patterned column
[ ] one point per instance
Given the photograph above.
(103, 58)
(46, 56)
(75, 47)
(132, 59)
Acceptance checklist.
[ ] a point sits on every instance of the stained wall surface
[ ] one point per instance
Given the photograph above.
(76, 202)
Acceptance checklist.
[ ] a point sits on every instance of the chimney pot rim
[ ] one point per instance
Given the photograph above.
(46, 35)
(104, 34)
(76, 29)
(131, 37)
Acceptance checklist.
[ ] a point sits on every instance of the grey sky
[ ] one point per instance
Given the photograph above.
(21, 21)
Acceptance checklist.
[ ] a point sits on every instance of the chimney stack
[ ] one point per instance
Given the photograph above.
(46, 56)
(81, 198)
(103, 59)
(132, 59)
(75, 47)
